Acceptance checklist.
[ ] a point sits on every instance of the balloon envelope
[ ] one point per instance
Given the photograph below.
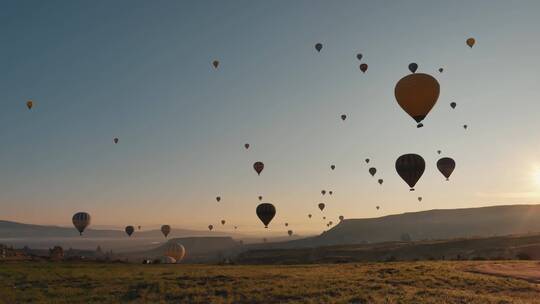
(266, 213)
(363, 67)
(246, 146)
(175, 251)
(210, 227)
(332, 167)
(341, 217)
(343, 117)
(218, 198)
(318, 47)
(215, 63)
(29, 104)
(410, 167)
(115, 140)
(446, 166)
(453, 105)
(321, 206)
(416, 94)
(258, 166)
(290, 232)
(165, 229)
(359, 56)
(372, 171)
(129, 230)
(81, 220)
(380, 181)
(470, 42)
(413, 67)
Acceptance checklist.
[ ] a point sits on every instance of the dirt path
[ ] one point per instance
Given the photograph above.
(525, 270)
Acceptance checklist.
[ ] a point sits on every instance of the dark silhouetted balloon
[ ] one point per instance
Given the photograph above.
(410, 167)
(341, 217)
(29, 104)
(380, 181)
(324, 217)
(129, 230)
(416, 94)
(321, 206)
(446, 166)
(377, 207)
(363, 67)
(343, 117)
(290, 232)
(441, 70)
(330, 192)
(332, 167)
(246, 146)
(115, 140)
(323, 192)
(318, 47)
(235, 227)
(439, 151)
(215, 63)
(266, 213)
(165, 229)
(258, 166)
(413, 67)
(222, 222)
(260, 198)
(210, 227)
(286, 224)
(419, 198)
(359, 56)
(139, 227)
(367, 160)
(309, 215)
(465, 127)
(453, 105)
(470, 42)
(218, 198)
(372, 171)
(81, 220)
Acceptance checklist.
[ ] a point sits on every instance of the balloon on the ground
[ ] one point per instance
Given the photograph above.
(175, 250)
(81, 220)
(167, 260)
(410, 168)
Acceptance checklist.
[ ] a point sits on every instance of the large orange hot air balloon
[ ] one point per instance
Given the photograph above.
(410, 167)
(380, 181)
(417, 94)
(446, 166)
(266, 213)
(470, 42)
(258, 166)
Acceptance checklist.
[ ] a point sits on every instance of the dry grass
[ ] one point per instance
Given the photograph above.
(401, 282)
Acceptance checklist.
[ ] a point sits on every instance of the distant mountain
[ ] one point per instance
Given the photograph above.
(427, 225)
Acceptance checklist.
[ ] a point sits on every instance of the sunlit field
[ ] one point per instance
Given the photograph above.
(400, 282)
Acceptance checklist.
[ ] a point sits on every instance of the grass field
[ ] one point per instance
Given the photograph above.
(400, 282)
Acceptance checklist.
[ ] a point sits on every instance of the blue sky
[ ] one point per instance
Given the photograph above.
(141, 71)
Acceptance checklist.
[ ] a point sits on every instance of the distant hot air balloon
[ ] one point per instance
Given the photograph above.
(29, 104)
(210, 227)
(235, 227)
(359, 56)
(417, 94)
(321, 206)
(260, 198)
(453, 105)
(81, 220)
(330, 192)
(323, 192)
(441, 70)
(341, 217)
(377, 207)
(439, 151)
(290, 232)
(367, 160)
(318, 47)
(129, 230)
(343, 117)
(446, 166)
(218, 198)
(332, 167)
(363, 67)
(309, 215)
(215, 63)
(165, 229)
(413, 67)
(324, 217)
(419, 198)
(286, 224)
(246, 146)
(258, 166)
(222, 222)
(331, 223)
(380, 181)
(115, 140)
(372, 171)
(465, 127)
(175, 251)
(266, 213)
(139, 227)
(410, 167)
(470, 42)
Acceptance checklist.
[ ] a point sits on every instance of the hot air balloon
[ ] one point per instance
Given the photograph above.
(260, 198)
(129, 230)
(363, 67)
(413, 67)
(331, 223)
(324, 217)
(246, 146)
(453, 105)
(235, 227)
(446, 166)
(218, 198)
(372, 171)
(286, 224)
(258, 166)
(309, 215)
(266, 213)
(323, 192)
(81, 220)
(115, 140)
(222, 222)
(470, 42)
(439, 151)
(289, 232)
(380, 181)
(210, 227)
(29, 104)
(341, 217)
(359, 56)
(215, 63)
(377, 207)
(465, 127)
(330, 192)
(165, 229)
(441, 70)
(139, 227)
(175, 251)
(318, 47)
(367, 160)
(410, 167)
(321, 206)
(332, 167)
(417, 94)
(419, 198)
(343, 117)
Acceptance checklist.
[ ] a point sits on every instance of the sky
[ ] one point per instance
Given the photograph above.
(142, 71)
